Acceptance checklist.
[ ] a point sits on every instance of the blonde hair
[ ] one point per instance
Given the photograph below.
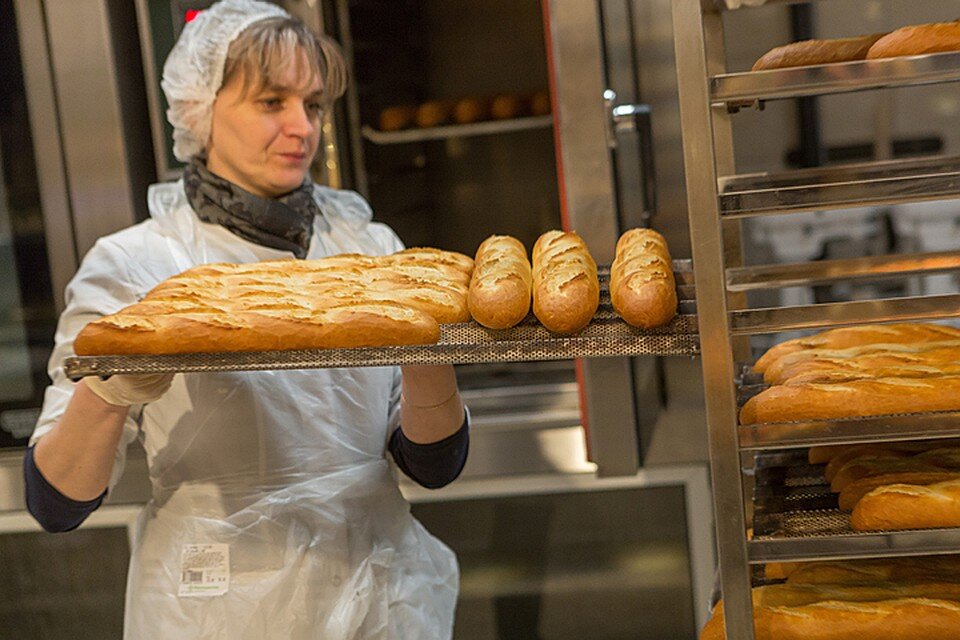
(265, 49)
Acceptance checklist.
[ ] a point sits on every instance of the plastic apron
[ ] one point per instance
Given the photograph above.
(286, 467)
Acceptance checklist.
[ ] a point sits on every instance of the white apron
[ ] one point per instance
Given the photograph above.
(287, 468)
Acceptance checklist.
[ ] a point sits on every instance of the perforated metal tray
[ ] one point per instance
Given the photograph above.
(467, 343)
(796, 517)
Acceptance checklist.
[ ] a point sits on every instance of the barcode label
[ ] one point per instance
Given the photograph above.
(205, 570)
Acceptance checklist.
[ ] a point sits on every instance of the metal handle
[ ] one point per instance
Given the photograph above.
(635, 119)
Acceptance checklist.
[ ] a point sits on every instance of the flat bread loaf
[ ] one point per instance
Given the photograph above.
(338, 302)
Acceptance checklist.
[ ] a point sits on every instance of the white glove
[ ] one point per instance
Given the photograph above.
(126, 390)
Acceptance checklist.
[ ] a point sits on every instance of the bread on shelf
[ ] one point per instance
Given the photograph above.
(566, 289)
(906, 506)
(501, 287)
(918, 39)
(809, 52)
(642, 286)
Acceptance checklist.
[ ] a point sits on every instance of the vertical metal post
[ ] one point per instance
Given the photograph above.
(706, 233)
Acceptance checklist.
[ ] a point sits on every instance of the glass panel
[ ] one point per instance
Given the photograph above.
(63, 586)
(27, 312)
(605, 565)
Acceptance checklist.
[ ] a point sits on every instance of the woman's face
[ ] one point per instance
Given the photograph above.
(264, 141)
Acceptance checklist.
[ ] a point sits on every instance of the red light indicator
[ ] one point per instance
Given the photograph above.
(191, 14)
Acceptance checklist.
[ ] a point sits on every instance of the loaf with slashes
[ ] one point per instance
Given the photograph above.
(501, 287)
(642, 287)
(566, 290)
(344, 301)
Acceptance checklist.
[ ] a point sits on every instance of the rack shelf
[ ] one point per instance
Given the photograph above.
(444, 132)
(855, 430)
(745, 88)
(834, 314)
(807, 274)
(872, 183)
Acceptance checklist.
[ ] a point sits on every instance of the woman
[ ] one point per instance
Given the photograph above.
(275, 513)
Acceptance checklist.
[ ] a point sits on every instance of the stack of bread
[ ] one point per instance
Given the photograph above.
(907, 41)
(891, 599)
(342, 301)
(467, 110)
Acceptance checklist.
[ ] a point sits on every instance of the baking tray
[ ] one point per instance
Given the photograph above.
(796, 517)
(464, 343)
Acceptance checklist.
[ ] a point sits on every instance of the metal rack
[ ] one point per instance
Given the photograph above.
(465, 343)
(718, 199)
(444, 132)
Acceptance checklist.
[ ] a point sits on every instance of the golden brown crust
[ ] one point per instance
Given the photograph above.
(501, 288)
(871, 361)
(397, 118)
(467, 110)
(807, 52)
(940, 568)
(904, 618)
(341, 301)
(870, 467)
(847, 337)
(918, 39)
(566, 290)
(642, 286)
(883, 396)
(853, 492)
(825, 453)
(906, 506)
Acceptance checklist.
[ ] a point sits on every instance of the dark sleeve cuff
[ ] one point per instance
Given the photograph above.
(432, 465)
(54, 511)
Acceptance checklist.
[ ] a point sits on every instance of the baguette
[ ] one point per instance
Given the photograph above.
(506, 106)
(862, 452)
(642, 287)
(566, 290)
(350, 325)
(941, 568)
(846, 337)
(825, 453)
(914, 360)
(467, 110)
(853, 492)
(918, 39)
(860, 398)
(906, 506)
(870, 467)
(502, 283)
(433, 113)
(900, 619)
(809, 52)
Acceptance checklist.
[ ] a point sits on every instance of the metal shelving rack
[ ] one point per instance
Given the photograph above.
(718, 199)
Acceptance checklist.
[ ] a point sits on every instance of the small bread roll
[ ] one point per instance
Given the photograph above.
(506, 106)
(502, 282)
(397, 118)
(433, 113)
(540, 103)
(642, 287)
(470, 110)
(807, 52)
(566, 290)
(918, 39)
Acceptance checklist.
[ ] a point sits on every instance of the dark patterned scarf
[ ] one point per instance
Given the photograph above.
(284, 223)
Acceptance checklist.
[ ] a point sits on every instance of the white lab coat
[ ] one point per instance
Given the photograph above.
(288, 468)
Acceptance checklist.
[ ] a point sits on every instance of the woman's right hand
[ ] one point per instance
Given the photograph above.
(126, 390)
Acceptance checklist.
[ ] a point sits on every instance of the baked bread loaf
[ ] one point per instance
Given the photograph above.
(540, 103)
(853, 492)
(899, 619)
(915, 360)
(846, 337)
(506, 106)
(807, 52)
(566, 290)
(882, 396)
(502, 283)
(871, 467)
(863, 452)
(433, 113)
(642, 287)
(940, 568)
(825, 453)
(918, 39)
(467, 110)
(398, 117)
(906, 506)
(338, 302)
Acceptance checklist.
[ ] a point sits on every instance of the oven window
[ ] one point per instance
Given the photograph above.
(27, 312)
(63, 586)
(605, 565)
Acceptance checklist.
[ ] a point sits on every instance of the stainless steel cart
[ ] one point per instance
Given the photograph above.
(718, 199)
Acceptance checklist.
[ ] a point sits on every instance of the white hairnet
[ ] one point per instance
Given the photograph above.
(193, 72)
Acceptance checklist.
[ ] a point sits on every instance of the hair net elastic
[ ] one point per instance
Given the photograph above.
(193, 72)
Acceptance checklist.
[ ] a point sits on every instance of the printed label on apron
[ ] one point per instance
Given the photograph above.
(205, 570)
